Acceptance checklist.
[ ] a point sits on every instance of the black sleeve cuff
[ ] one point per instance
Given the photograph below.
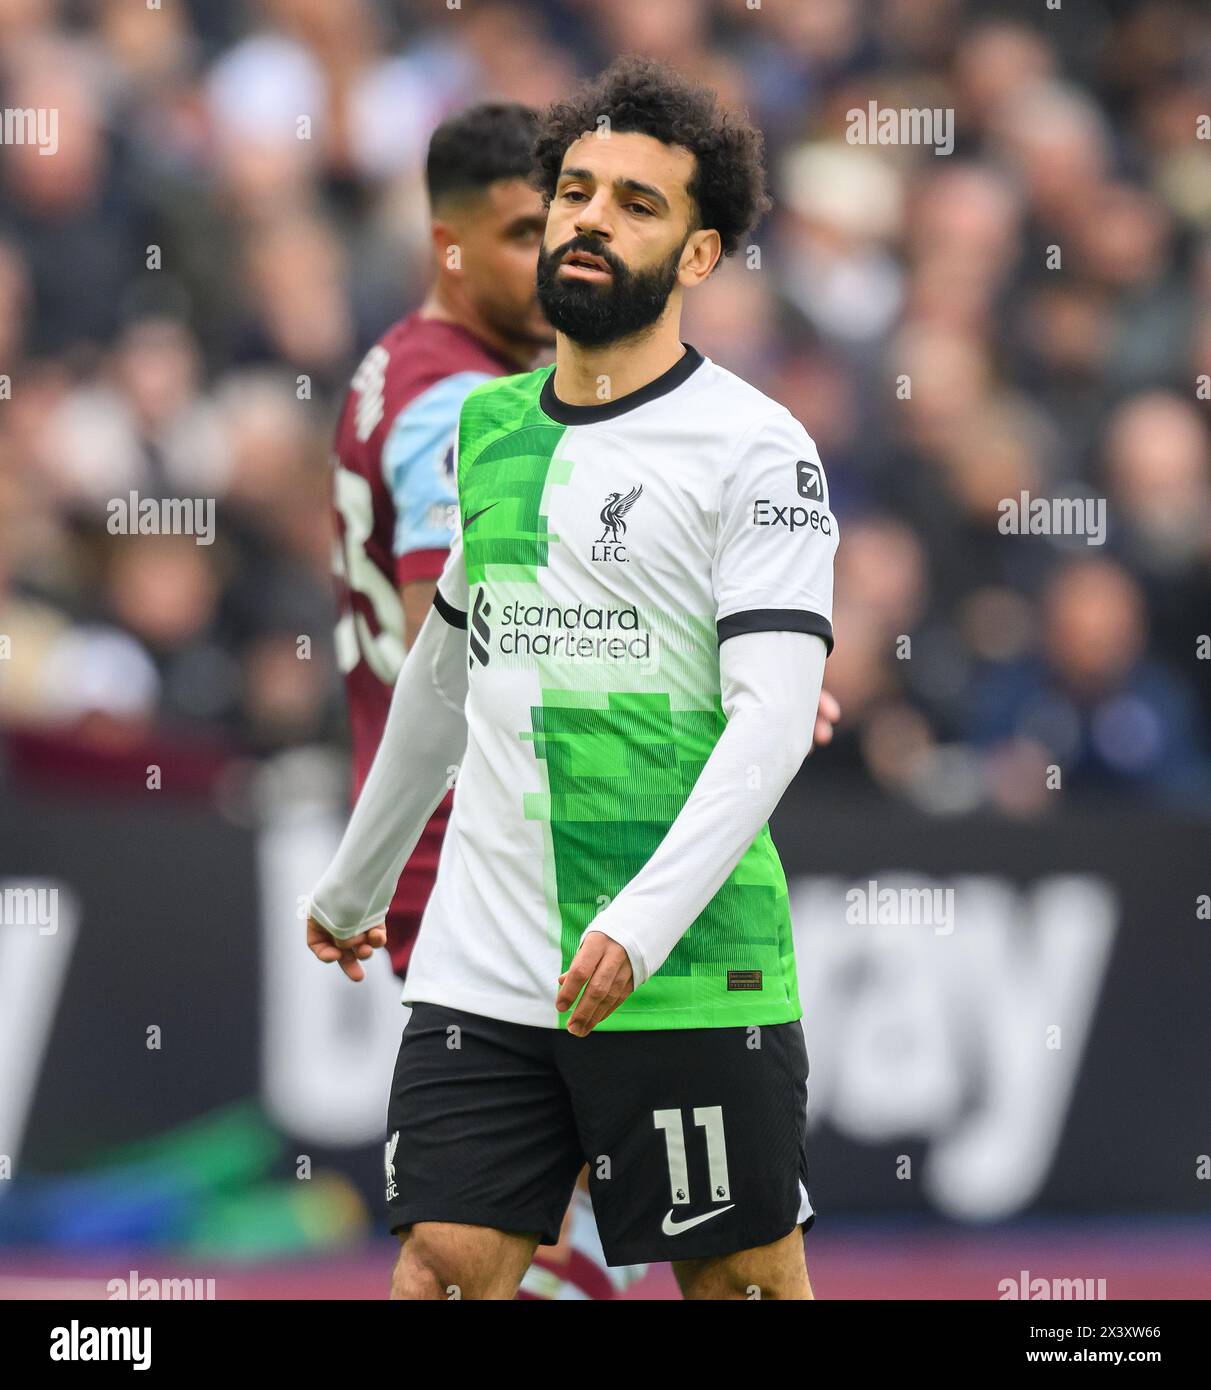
(454, 616)
(777, 620)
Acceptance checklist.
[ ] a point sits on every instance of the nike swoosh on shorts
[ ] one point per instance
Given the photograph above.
(674, 1228)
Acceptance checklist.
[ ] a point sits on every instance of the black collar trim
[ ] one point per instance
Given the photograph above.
(565, 414)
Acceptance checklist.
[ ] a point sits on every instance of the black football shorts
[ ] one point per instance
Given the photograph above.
(696, 1138)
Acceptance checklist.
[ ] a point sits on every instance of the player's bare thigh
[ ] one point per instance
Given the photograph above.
(446, 1260)
(778, 1270)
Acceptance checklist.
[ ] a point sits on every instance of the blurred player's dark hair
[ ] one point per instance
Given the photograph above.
(652, 98)
(468, 151)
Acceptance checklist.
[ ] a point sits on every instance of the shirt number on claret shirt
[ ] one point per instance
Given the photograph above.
(383, 651)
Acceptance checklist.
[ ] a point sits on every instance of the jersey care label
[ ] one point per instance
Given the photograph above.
(744, 979)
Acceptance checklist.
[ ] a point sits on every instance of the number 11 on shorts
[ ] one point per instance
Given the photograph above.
(709, 1118)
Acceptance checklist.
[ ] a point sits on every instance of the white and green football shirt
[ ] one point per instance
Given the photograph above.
(605, 553)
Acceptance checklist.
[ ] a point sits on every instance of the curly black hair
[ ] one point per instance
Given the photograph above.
(652, 98)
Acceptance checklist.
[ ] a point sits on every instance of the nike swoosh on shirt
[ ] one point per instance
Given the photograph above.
(481, 511)
(674, 1228)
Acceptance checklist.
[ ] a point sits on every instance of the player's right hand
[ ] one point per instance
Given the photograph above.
(350, 952)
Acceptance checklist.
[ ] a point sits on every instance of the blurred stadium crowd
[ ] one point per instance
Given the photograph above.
(903, 304)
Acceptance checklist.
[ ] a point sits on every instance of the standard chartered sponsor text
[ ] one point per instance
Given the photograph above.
(580, 631)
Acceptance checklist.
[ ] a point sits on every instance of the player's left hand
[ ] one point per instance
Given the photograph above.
(603, 967)
(827, 715)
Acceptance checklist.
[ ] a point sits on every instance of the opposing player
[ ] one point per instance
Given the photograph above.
(625, 655)
(393, 483)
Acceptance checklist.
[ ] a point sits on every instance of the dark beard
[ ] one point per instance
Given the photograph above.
(595, 314)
